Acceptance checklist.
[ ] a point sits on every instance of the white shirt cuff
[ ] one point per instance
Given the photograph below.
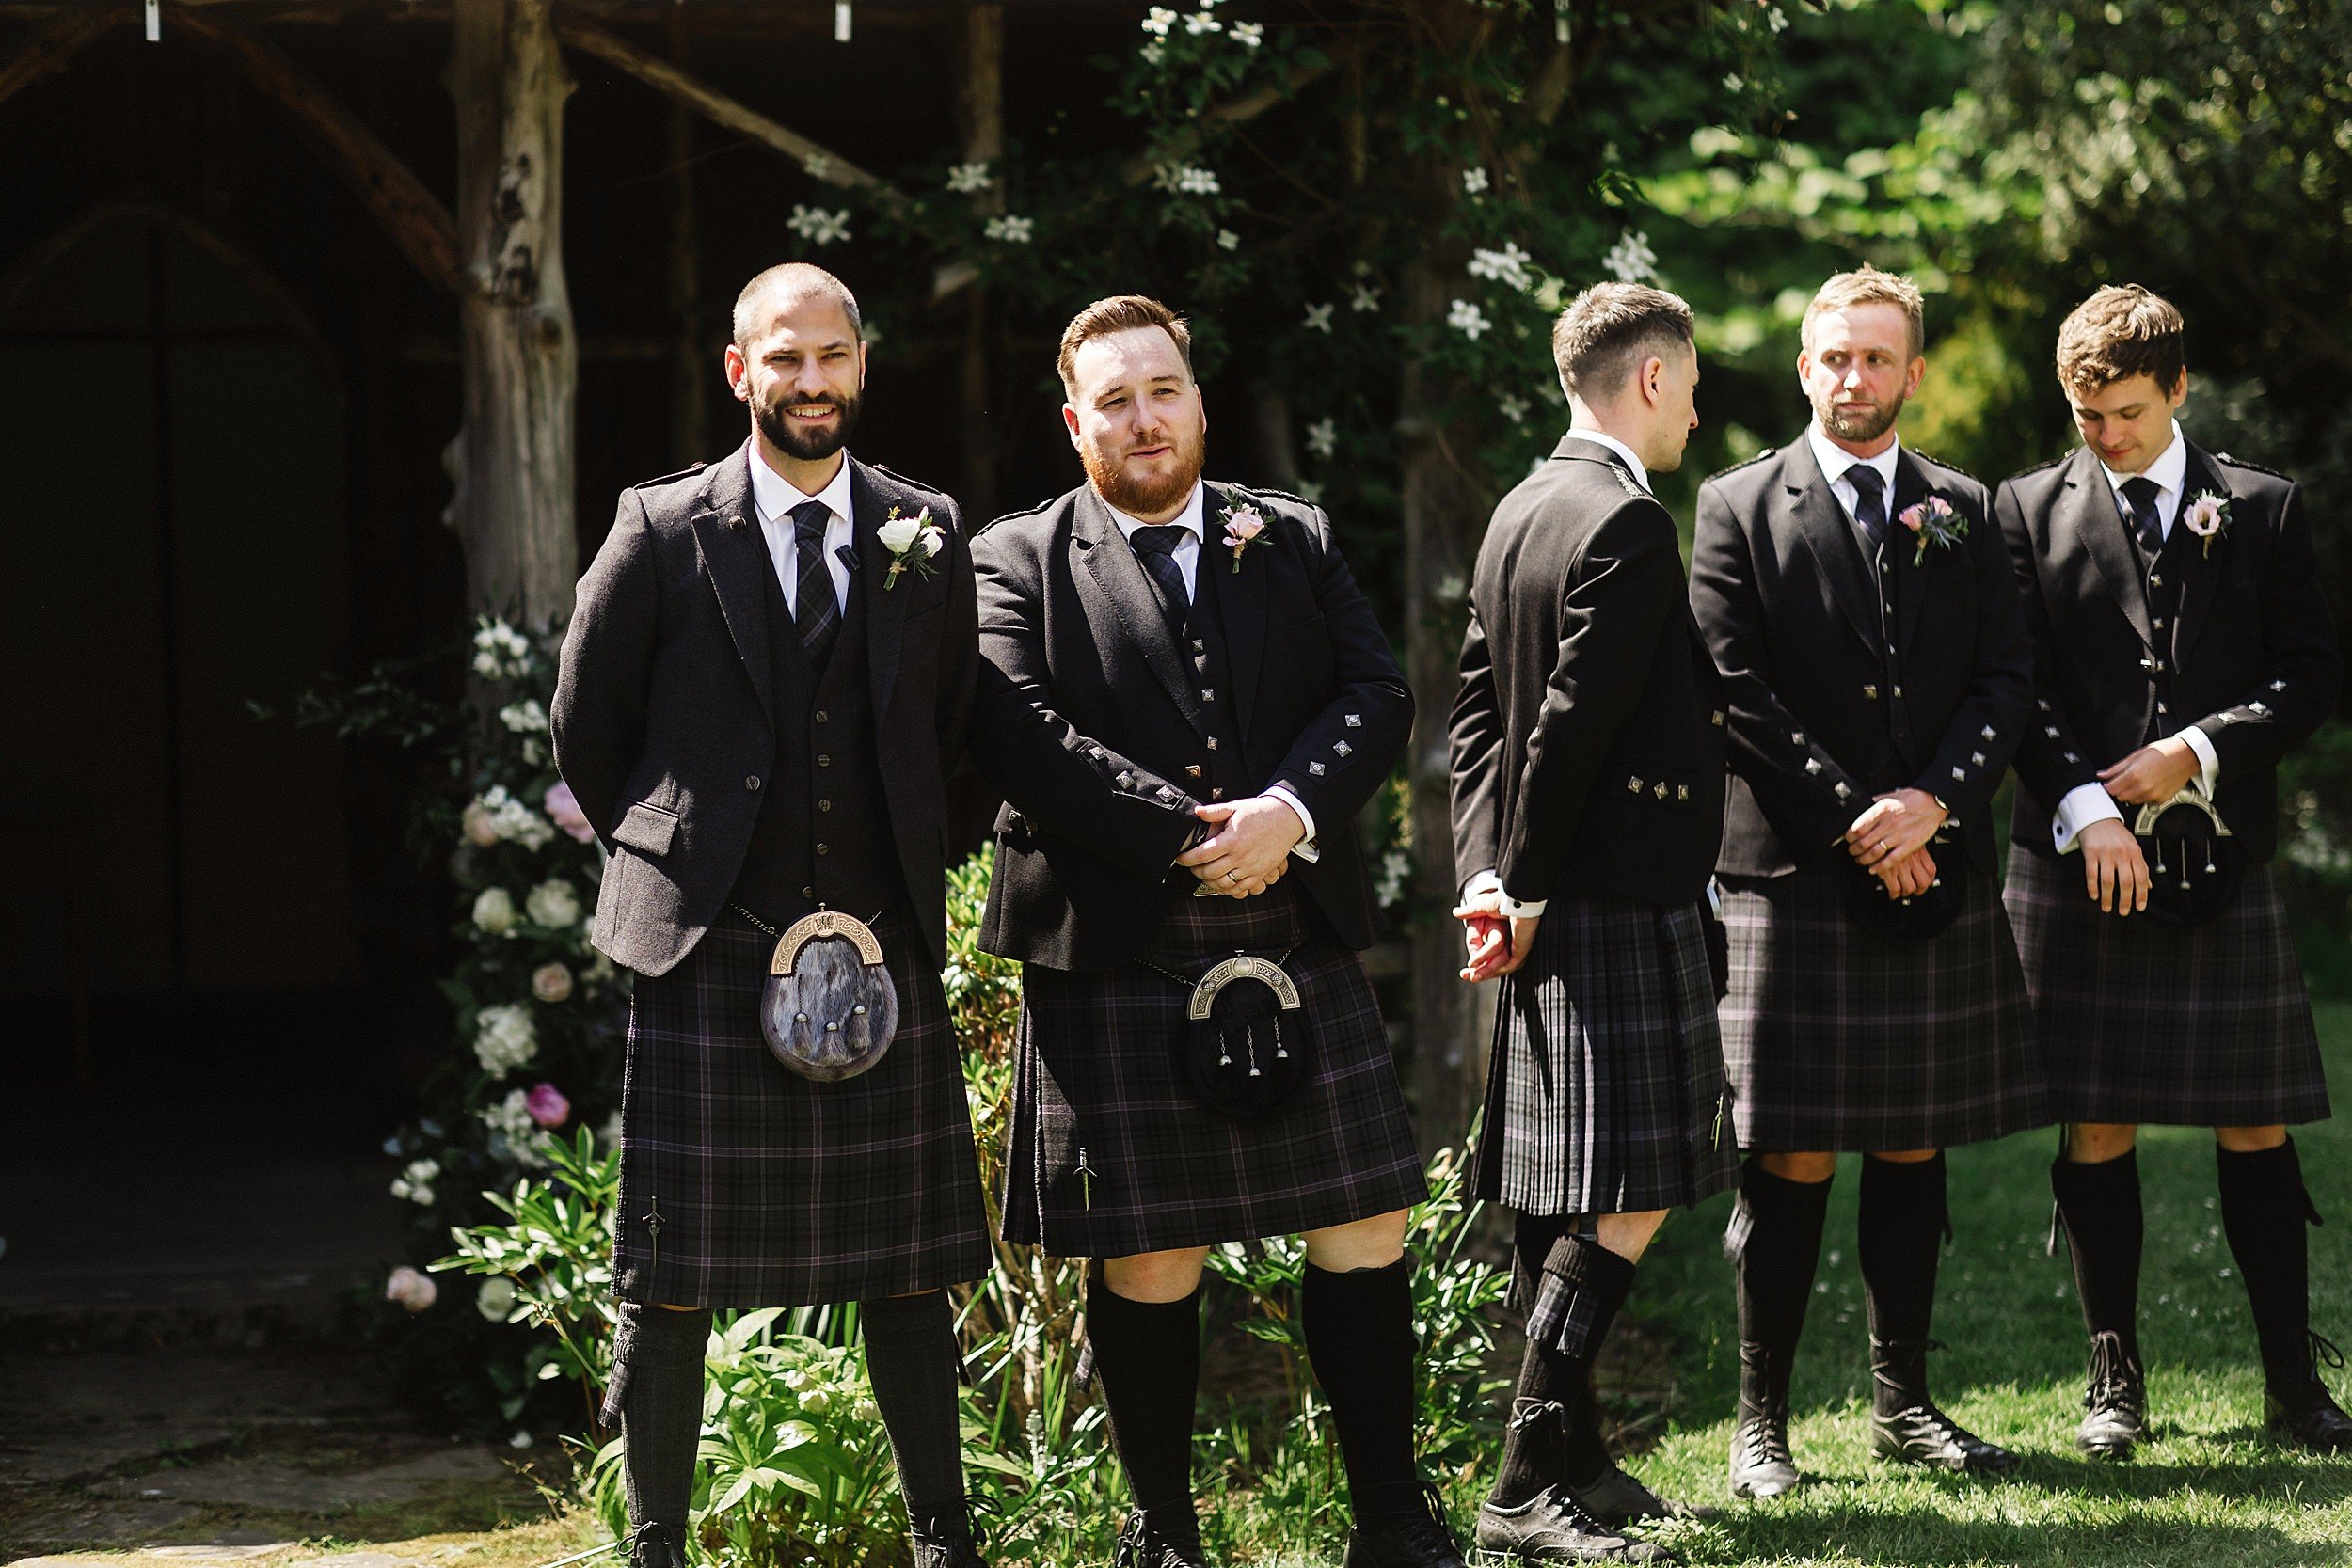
(2081, 807)
(1306, 848)
(1489, 881)
(2208, 760)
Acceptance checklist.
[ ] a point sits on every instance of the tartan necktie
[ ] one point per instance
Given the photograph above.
(1869, 502)
(816, 614)
(1155, 548)
(2147, 522)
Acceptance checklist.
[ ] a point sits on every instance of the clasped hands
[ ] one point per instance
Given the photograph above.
(1891, 840)
(2114, 870)
(1249, 848)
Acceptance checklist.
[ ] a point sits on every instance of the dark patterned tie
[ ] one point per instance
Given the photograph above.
(2146, 523)
(1869, 502)
(1156, 548)
(815, 611)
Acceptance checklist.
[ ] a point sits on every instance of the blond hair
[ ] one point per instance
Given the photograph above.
(1866, 285)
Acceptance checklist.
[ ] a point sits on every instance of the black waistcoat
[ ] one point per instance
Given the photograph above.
(1895, 582)
(2166, 575)
(823, 835)
(1222, 766)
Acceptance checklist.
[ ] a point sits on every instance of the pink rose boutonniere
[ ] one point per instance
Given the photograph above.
(1244, 527)
(2208, 517)
(1933, 521)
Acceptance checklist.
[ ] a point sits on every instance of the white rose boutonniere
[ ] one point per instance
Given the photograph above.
(912, 543)
(2208, 517)
(1244, 527)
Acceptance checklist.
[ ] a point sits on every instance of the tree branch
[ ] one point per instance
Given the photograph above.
(52, 46)
(1248, 106)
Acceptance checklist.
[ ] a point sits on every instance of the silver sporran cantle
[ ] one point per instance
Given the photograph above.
(830, 1007)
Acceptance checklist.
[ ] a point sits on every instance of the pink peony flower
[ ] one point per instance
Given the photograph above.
(563, 808)
(547, 1106)
(551, 982)
(481, 831)
(411, 1290)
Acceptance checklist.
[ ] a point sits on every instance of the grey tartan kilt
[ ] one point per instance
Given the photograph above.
(743, 1184)
(1605, 1085)
(2203, 1027)
(1110, 1154)
(1839, 1038)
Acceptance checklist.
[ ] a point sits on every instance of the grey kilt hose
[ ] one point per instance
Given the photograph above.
(743, 1184)
(2198, 1026)
(1837, 1037)
(1111, 1154)
(1605, 1092)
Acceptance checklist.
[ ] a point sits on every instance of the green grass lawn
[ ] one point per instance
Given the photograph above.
(2209, 1490)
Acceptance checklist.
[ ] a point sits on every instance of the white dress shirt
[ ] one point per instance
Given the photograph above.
(2087, 803)
(773, 497)
(1838, 466)
(1489, 881)
(1187, 558)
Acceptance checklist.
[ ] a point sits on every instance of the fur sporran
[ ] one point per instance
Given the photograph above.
(830, 1007)
(1247, 1042)
(2194, 861)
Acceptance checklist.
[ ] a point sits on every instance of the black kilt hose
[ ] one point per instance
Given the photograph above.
(2198, 1026)
(1099, 1086)
(1605, 1090)
(744, 1185)
(1840, 1038)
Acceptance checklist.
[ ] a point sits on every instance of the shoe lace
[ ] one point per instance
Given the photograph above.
(2113, 1373)
(1526, 1413)
(1763, 1440)
(653, 1537)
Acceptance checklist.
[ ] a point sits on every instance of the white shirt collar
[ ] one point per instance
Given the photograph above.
(1190, 518)
(1836, 460)
(1602, 438)
(776, 495)
(2170, 470)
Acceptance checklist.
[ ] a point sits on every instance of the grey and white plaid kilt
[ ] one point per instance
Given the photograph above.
(1837, 1037)
(2203, 1027)
(743, 1184)
(1605, 1085)
(1099, 1086)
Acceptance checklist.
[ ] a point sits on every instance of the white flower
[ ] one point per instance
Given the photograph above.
(554, 905)
(933, 540)
(524, 718)
(1249, 34)
(1507, 265)
(1631, 260)
(1153, 53)
(504, 1038)
(1201, 22)
(512, 1121)
(494, 912)
(610, 1134)
(1310, 492)
(899, 532)
(1452, 588)
(496, 1298)
(1159, 22)
(500, 652)
(520, 1440)
(1396, 874)
(416, 1183)
(1188, 178)
(1514, 409)
(1363, 297)
(1010, 230)
(1228, 240)
(818, 227)
(551, 982)
(969, 178)
(1733, 83)
(1775, 17)
(1323, 436)
(1468, 318)
(496, 815)
(1319, 318)
(1473, 180)
(412, 1292)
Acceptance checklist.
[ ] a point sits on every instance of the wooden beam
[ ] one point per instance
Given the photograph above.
(52, 46)
(820, 161)
(410, 213)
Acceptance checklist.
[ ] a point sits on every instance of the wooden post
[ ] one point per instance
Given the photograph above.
(980, 107)
(512, 459)
(692, 362)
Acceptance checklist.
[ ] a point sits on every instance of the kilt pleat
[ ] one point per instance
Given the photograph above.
(1110, 1152)
(2200, 1026)
(1837, 1037)
(1605, 1085)
(743, 1184)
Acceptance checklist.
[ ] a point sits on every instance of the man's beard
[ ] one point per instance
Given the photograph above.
(809, 446)
(1142, 498)
(1862, 428)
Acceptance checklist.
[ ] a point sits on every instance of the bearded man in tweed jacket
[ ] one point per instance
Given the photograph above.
(757, 710)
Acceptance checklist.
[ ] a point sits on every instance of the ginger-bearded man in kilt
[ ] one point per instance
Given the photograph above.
(1587, 754)
(1184, 694)
(1864, 615)
(757, 710)
(2181, 644)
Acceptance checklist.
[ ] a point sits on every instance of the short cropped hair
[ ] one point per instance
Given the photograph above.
(795, 282)
(1611, 330)
(2122, 331)
(1866, 285)
(1119, 314)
